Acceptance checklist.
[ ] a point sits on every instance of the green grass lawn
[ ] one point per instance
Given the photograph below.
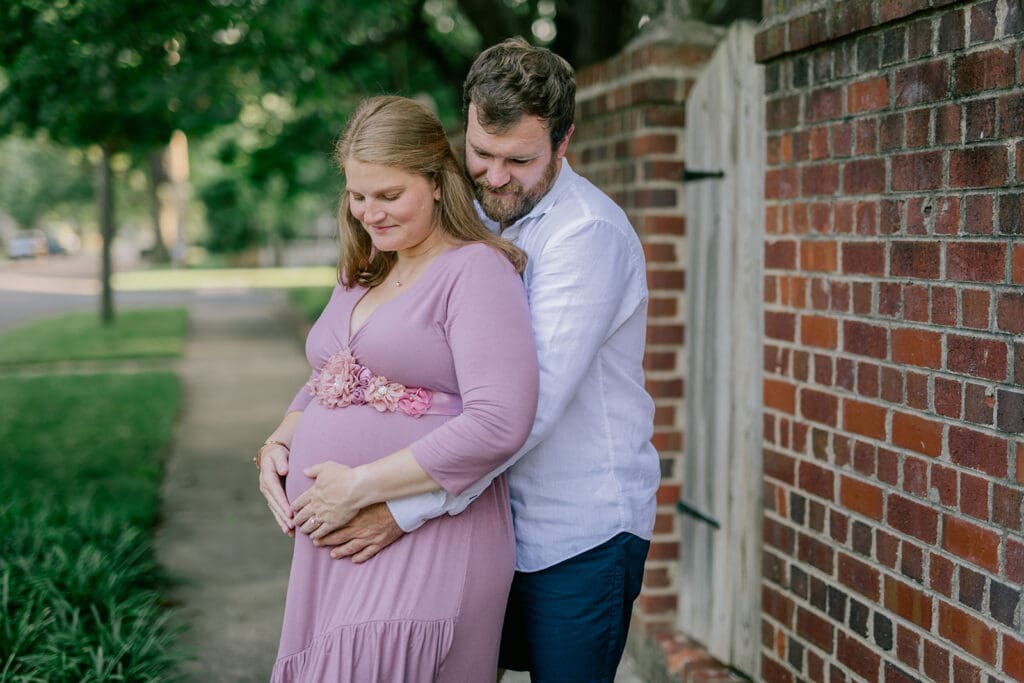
(96, 436)
(82, 458)
(135, 334)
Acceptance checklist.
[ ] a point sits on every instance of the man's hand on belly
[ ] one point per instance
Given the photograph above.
(370, 531)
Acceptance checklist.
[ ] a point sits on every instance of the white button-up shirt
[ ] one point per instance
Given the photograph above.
(588, 470)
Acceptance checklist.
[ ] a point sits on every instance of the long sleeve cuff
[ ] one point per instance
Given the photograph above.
(411, 512)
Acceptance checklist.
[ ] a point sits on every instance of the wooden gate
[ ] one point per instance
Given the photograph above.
(721, 508)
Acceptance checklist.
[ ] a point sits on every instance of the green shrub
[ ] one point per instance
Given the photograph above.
(79, 583)
(79, 597)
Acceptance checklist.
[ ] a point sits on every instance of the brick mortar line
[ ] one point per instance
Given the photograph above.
(885, 656)
(855, 238)
(858, 279)
(873, 606)
(1008, 143)
(610, 141)
(847, 116)
(933, 549)
(850, 355)
(633, 116)
(1010, 437)
(883, 485)
(830, 34)
(881, 402)
(937, 506)
(988, 430)
(648, 72)
(931, 593)
(886, 70)
(888, 322)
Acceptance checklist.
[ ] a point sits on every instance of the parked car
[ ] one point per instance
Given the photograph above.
(54, 247)
(28, 244)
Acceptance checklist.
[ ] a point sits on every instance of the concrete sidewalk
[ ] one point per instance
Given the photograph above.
(243, 363)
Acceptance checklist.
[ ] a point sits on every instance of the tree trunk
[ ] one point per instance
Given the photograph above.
(105, 201)
(157, 176)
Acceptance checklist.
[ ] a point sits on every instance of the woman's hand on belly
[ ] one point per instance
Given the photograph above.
(329, 503)
(273, 468)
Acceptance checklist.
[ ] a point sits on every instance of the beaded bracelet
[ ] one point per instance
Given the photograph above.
(257, 459)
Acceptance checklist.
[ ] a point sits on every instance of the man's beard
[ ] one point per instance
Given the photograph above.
(507, 210)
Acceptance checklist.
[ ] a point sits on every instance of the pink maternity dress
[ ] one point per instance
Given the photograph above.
(430, 606)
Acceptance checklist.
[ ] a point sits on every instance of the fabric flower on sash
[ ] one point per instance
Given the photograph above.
(415, 402)
(343, 382)
(384, 395)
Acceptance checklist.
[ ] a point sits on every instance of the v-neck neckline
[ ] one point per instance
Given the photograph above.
(352, 334)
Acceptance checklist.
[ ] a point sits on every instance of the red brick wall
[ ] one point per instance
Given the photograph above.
(629, 141)
(894, 355)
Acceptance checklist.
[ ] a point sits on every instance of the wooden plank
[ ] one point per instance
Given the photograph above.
(748, 317)
(720, 570)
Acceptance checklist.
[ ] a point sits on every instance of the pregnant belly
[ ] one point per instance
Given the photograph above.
(352, 436)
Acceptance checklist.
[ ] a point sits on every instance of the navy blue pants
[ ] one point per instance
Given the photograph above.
(568, 623)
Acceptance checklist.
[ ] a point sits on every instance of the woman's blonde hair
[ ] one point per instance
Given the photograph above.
(404, 134)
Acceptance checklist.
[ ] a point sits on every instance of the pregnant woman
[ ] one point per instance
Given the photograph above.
(424, 378)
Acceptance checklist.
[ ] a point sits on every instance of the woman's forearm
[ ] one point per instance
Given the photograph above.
(393, 476)
(339, 492)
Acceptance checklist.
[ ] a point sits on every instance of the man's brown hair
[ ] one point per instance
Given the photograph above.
(514, 78)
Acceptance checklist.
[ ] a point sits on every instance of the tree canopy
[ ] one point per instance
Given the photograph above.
(266, 86)
(117, 73)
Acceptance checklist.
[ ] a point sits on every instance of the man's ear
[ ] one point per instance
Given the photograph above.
(564, 144)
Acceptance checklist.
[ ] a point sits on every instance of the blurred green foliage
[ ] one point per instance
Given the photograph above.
(120, 74)
(309, 302)
(262, 89)
(83, 454)
(41, 178)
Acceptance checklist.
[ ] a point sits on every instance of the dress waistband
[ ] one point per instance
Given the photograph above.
(343, 382)
(444, 404)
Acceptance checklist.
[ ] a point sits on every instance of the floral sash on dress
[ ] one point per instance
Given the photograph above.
(343, 382)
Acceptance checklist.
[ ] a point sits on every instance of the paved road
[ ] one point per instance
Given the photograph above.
(35, 288)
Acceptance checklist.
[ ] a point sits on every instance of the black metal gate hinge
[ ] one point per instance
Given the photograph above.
(692, 176)
(685, 509)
